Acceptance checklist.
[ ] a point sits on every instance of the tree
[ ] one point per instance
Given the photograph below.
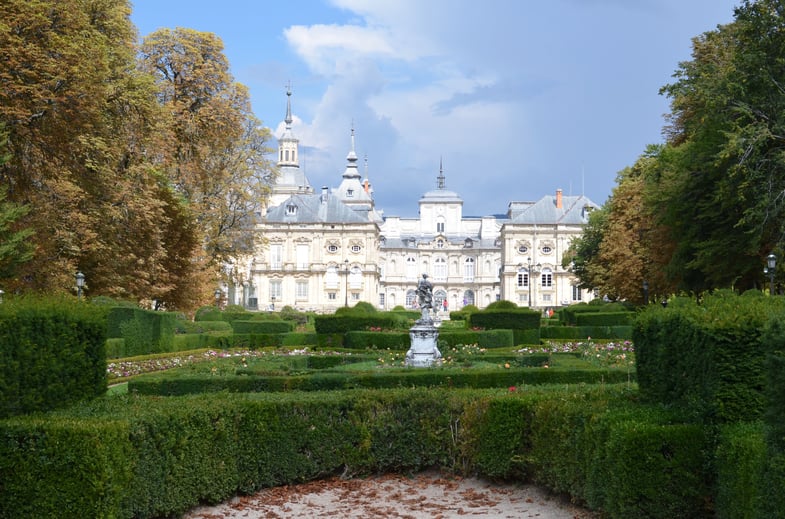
(721, 195)
(583, 251)
(15, 246)
(629, 252)
(216, 156)
(85, 132)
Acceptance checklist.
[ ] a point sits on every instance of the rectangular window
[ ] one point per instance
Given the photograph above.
(440, 227)
(576, 293)
(546, 298)
(302, 257)
(522, 298)
(355, 296)
(275, 289)
(331, 296)
(523, 279)
(301, 290)
(547, 280)
(381, 300)
(276, 256)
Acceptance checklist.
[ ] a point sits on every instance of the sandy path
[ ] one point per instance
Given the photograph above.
(427, 495)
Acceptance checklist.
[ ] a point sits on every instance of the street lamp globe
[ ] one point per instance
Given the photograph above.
(79, 284)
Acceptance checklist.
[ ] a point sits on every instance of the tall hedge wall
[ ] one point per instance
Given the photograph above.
(143, 331)
(52, 354)
(708, 358)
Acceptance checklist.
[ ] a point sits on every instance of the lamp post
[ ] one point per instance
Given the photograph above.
(771, 263)
(218, 294)
(346, 283)
(645, 292)
(1, 295)
(533, 270)
(79, 284)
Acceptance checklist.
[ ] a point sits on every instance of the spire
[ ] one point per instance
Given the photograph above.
(288, 119)
(351, 161)
(440, 178)
(352, 157)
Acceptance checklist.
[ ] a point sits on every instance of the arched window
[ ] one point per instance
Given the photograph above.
(468, 269)
(411, 298)
(468, 297)
(440, 269)
(438, 299)
(411, 269)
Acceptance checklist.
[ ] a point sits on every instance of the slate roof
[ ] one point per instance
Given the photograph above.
(311, 209)
(544, 211)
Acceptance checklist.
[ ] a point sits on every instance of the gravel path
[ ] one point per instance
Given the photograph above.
(425, 496)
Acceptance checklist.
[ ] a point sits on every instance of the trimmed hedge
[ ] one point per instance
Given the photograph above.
(520, 318)
(709, 359)
(604, 319)
(144, 331)
(141, 457)
(402, 341)
(739, 461)
(261, 327)
(329, 324)
(52, 354)
(250, 380)
(584, 332)
(569, 314)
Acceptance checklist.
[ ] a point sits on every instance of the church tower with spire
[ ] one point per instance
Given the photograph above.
(291, 178)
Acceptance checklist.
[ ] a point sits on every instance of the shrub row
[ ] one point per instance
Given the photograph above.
(52, 354)
(346, 322)
(604, 319)
(517, 318)
(569, 314)
(141, 457)
(583, 332)
(250, 380)
(401, 340)
(261, 327)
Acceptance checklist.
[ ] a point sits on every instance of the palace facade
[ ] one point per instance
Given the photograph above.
(320, 249)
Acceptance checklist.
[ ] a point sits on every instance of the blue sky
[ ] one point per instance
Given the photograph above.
(518, 98)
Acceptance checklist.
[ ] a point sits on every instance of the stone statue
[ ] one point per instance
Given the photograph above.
(425, 293)
(423, 351)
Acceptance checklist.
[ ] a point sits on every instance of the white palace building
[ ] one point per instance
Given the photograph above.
(320, 249)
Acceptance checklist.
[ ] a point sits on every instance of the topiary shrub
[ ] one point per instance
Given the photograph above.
(501, 304)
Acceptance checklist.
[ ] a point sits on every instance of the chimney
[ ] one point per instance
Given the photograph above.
(558, 199)
(324, 194)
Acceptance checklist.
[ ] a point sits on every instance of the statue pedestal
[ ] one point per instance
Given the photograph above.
(423, 351)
